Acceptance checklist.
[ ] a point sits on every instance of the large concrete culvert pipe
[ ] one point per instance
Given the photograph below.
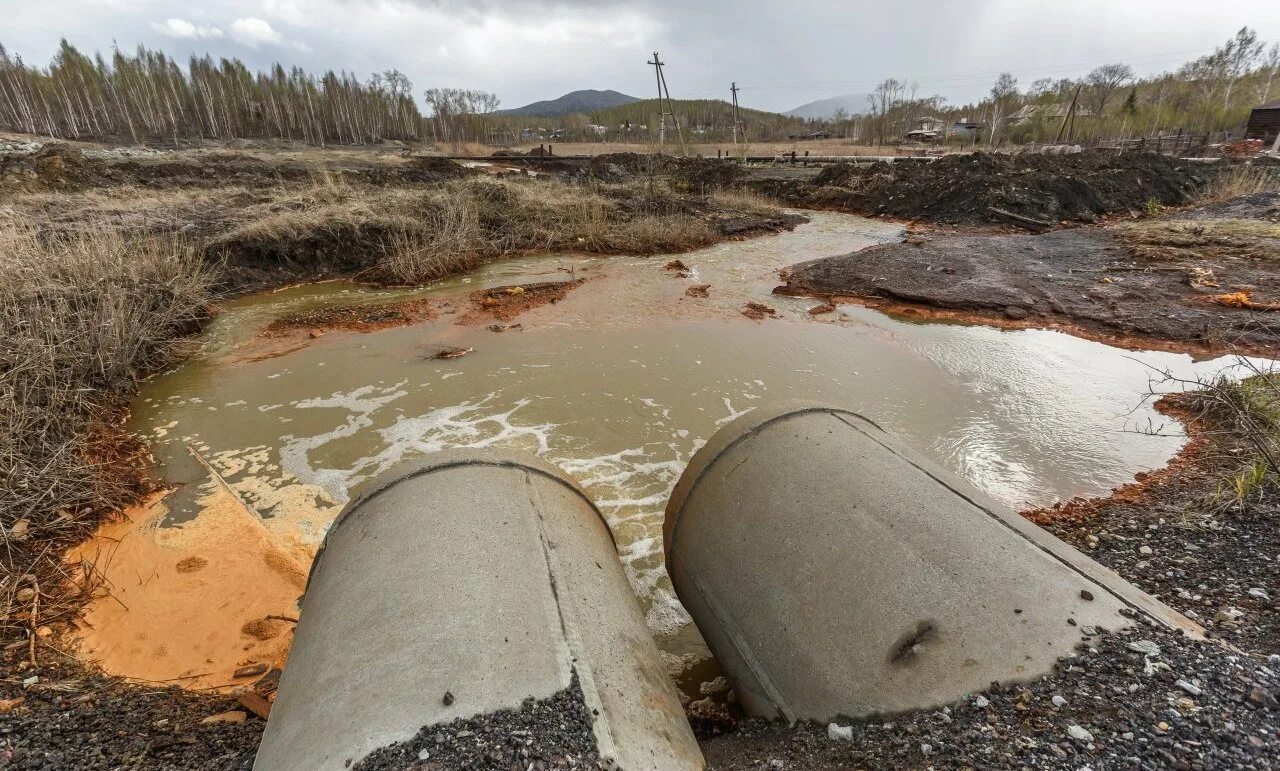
(833, 571)
(488, 576)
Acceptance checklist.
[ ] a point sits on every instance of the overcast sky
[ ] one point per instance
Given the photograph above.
(782, 53)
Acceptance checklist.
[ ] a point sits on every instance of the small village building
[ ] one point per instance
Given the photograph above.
(1264, 122)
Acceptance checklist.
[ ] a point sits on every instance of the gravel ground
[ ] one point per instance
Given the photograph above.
(73, 718)
(543, 734)
(1173, 704)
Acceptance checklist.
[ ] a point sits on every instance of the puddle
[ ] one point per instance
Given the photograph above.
(619, 384)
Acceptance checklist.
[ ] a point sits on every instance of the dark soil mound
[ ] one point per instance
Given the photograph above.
(689, 174)
(964, 189)
(52, 167)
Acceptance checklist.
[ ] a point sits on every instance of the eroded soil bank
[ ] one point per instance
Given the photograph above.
(1176, 281)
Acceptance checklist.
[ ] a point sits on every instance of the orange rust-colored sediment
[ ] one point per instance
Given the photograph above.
(189, 604)
(507, 302)
(929, 313)
(367, 317)
(1144, 488)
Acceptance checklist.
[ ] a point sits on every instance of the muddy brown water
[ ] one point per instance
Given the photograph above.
(619, 384)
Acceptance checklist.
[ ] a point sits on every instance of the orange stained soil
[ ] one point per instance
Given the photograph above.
(190, 604)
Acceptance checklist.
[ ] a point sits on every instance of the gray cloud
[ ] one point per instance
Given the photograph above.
(782, 52)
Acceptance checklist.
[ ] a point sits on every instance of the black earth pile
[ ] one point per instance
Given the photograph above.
(964, 189)
(1145, 698)
(72, 717)
(551, 733)
(61, 167)
(694, 174)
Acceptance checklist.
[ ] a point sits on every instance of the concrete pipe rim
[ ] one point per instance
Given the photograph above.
(444, 460)
(723, 440)
(746, 426)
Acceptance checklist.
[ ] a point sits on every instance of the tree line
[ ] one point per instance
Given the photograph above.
(148, 96)
(1210, 95)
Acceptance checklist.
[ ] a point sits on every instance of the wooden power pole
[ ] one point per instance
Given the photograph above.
(666, 108)
(737, 124)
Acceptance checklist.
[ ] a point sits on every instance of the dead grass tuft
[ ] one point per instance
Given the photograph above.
(83, 317)
(1199, 240)
(408, 236)
(1239, 180)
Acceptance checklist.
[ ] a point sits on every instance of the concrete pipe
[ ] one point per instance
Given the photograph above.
(485, 575)
(833, 571)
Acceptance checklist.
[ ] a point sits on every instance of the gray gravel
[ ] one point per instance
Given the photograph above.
(542, 734)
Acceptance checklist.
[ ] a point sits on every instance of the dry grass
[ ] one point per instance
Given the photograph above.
(82, 318)
(412, 235)
(1241, 179)
(1200, 240)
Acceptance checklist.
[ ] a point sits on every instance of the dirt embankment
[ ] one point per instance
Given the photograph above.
(1201, 533)
(1197, 280)
(986, 188)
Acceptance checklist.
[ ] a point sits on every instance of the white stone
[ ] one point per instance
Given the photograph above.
(1058, 701)
(1189, 687)
(981, 702)
(1145, 647)
(841, 732)
(1079, 734)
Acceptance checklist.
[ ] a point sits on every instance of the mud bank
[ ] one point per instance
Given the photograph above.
(975, 189)
(1115, 284)
(1187, 535)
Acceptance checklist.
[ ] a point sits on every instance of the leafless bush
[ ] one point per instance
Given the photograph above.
(82, 318)
(1239, 408)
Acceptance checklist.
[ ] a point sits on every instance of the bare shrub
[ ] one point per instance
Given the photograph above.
(82, 318)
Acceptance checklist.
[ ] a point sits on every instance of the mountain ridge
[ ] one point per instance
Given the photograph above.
(583, 100)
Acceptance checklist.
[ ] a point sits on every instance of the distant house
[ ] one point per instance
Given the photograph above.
(964, 129)
(1264, 122)
(927, 129)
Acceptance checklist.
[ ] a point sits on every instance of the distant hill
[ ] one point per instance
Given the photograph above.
(585, 100)
(823, 109)
(710, 116)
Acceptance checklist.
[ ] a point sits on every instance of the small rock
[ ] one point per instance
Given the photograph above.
(926, 749)
(1079, 734)
(313, 334)
(44, 631)
(1058, 701)
(981, 702)
(1189, 687)
(250, 670)
(1145, 647)
(1144, 550)
(448, 698)
(1086, 595)
(30, 681)
(20, 531)
(7, 705)
(423, 754)
(841, 732)
(234, 717)
(1259, 593)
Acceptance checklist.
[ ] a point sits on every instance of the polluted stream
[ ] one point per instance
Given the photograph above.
(262, 439)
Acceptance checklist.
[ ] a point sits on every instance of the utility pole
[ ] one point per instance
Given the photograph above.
(1070, 116)
(666, 108)
(733, 88)
(662, 113)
